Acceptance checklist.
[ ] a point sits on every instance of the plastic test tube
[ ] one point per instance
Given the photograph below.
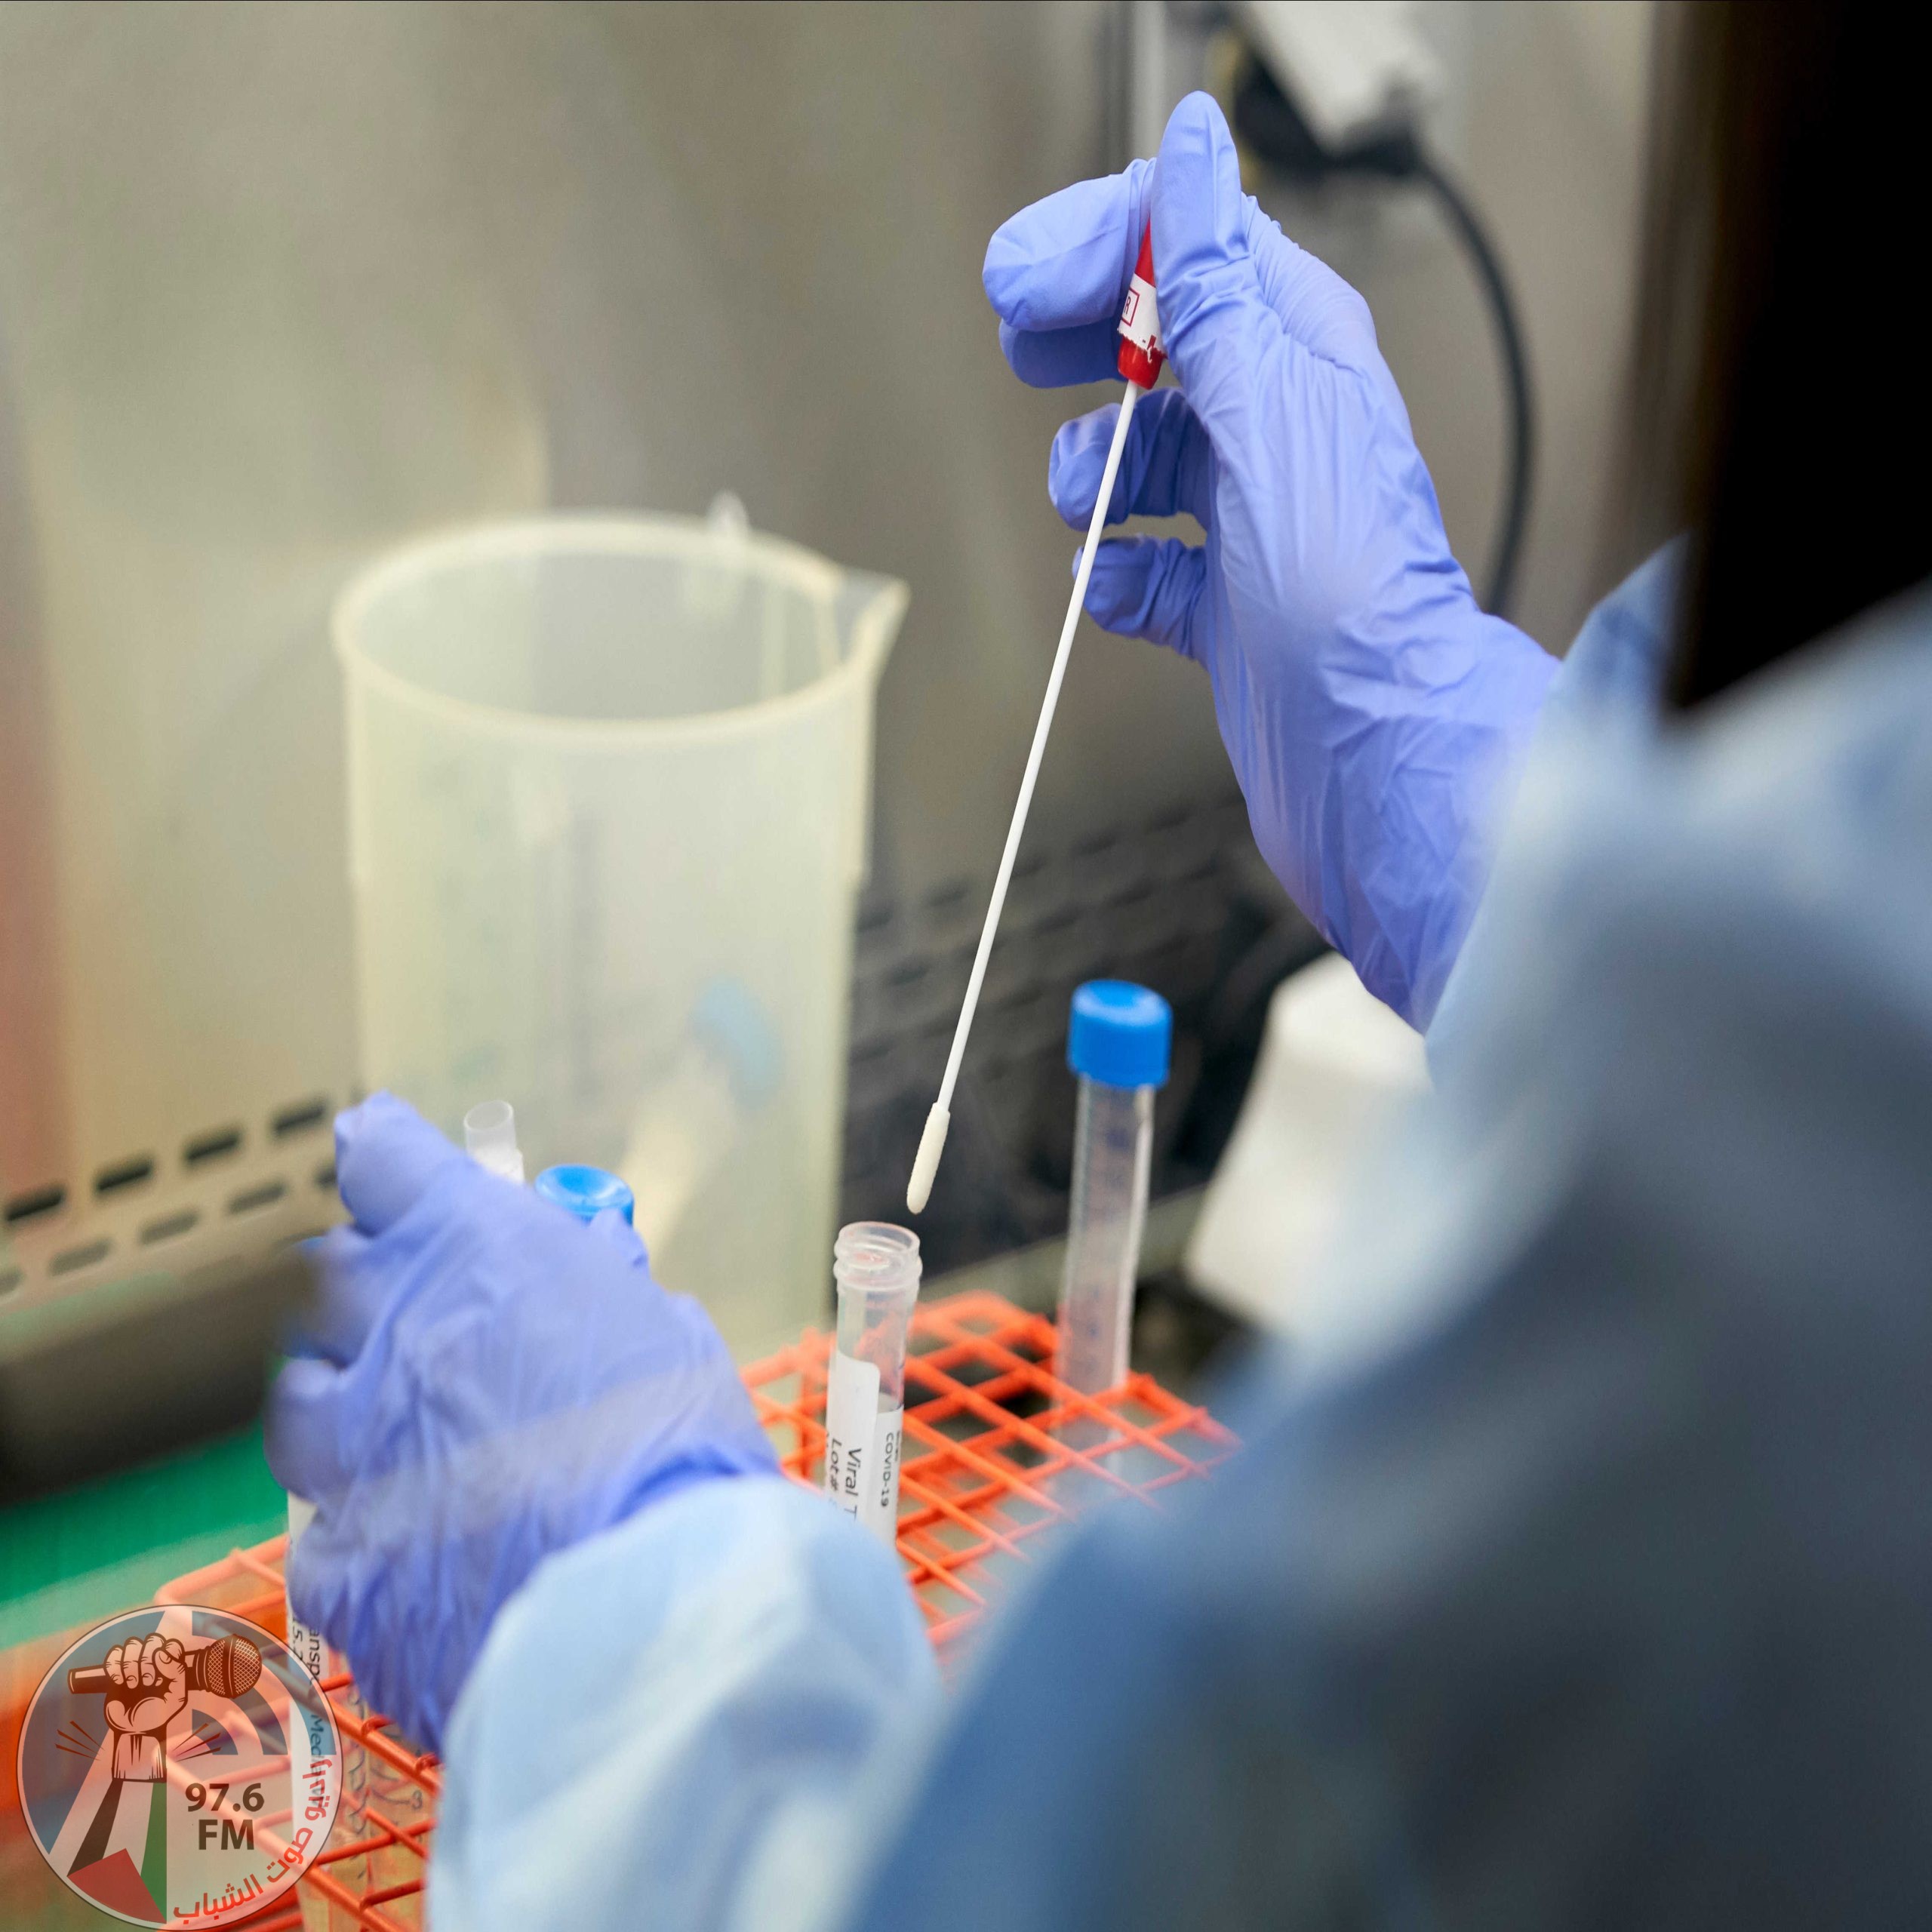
(318, 1914)
(489, 1135)
(1118, 1043)
(875, 1267)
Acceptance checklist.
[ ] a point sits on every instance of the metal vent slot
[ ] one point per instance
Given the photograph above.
(37, 1202)
(73, 1259)
(167, 1230)
(124, 1173)
(303, 1117)
(266, 1195)
(211, 1147)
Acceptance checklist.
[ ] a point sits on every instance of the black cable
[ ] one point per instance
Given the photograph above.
(1520, 474)
(1272, 126)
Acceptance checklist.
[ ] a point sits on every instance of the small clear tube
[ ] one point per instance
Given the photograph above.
(489, 1135)
(318, 1914)
(875, 1267)
(1113, 1147)
(1117, 1044)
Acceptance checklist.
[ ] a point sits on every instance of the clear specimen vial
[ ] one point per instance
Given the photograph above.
(1118, 1043)
(489, 1137)
(875, 1267)
(318, 1914)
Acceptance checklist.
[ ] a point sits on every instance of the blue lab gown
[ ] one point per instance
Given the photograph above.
(1582, 1577)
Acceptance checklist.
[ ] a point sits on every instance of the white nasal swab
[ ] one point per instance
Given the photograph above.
(1140, 360)
(932, 1142)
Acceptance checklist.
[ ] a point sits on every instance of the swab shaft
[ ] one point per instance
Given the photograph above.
(1034, 757)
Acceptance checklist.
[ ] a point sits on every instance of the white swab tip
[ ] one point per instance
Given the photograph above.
(932, 1144)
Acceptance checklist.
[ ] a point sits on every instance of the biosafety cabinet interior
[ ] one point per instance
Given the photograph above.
(280, 289)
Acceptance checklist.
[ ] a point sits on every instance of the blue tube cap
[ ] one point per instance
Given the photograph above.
(586, 1191)
(1120, 1034)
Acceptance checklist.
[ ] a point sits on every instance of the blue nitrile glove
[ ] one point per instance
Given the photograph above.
(1372, 710)
(491, 1381)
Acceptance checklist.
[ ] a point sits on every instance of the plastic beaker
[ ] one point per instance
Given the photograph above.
(609, 788)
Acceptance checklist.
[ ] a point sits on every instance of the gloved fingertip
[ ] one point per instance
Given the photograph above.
(1004, 264)
(1197, 207)
(1064, 261)
(336, 1247)
(1196, 131)
(1075, 465)
(1118, 558)
(386, 1155)
(1059, 358)
(1209, 290)
(610, 1227)
(294, 1427)
(1119, 569)
(334, 1256)
(368, 1115)
(1147, 587)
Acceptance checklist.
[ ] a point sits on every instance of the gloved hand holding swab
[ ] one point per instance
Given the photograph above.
(1140, 360)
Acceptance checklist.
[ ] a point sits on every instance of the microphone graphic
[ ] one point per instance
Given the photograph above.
(226, 1668)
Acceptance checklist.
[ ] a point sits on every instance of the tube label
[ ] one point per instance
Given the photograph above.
(862, 1445)
(322, 1659)
(315, 1655)
(1140, 317)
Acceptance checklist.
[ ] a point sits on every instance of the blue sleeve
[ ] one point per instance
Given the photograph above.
(1611, 683)
(1529, 1602)
(692, 1720)
(1617, 662)
(1415, 815)
(1584, 1580)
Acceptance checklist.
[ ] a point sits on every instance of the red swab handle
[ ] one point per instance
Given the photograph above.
(1141, 354)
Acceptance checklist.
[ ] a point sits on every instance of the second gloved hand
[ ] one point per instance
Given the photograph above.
(491, 1382)
(1372, 710)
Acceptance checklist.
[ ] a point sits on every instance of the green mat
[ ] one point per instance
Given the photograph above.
(79, 1556)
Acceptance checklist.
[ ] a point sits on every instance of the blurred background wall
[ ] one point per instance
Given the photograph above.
(281, 286)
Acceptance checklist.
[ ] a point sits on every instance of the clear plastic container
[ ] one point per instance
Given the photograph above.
(609, 786)
(875, 1268)
(687, 1123)
(1117, 1044)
